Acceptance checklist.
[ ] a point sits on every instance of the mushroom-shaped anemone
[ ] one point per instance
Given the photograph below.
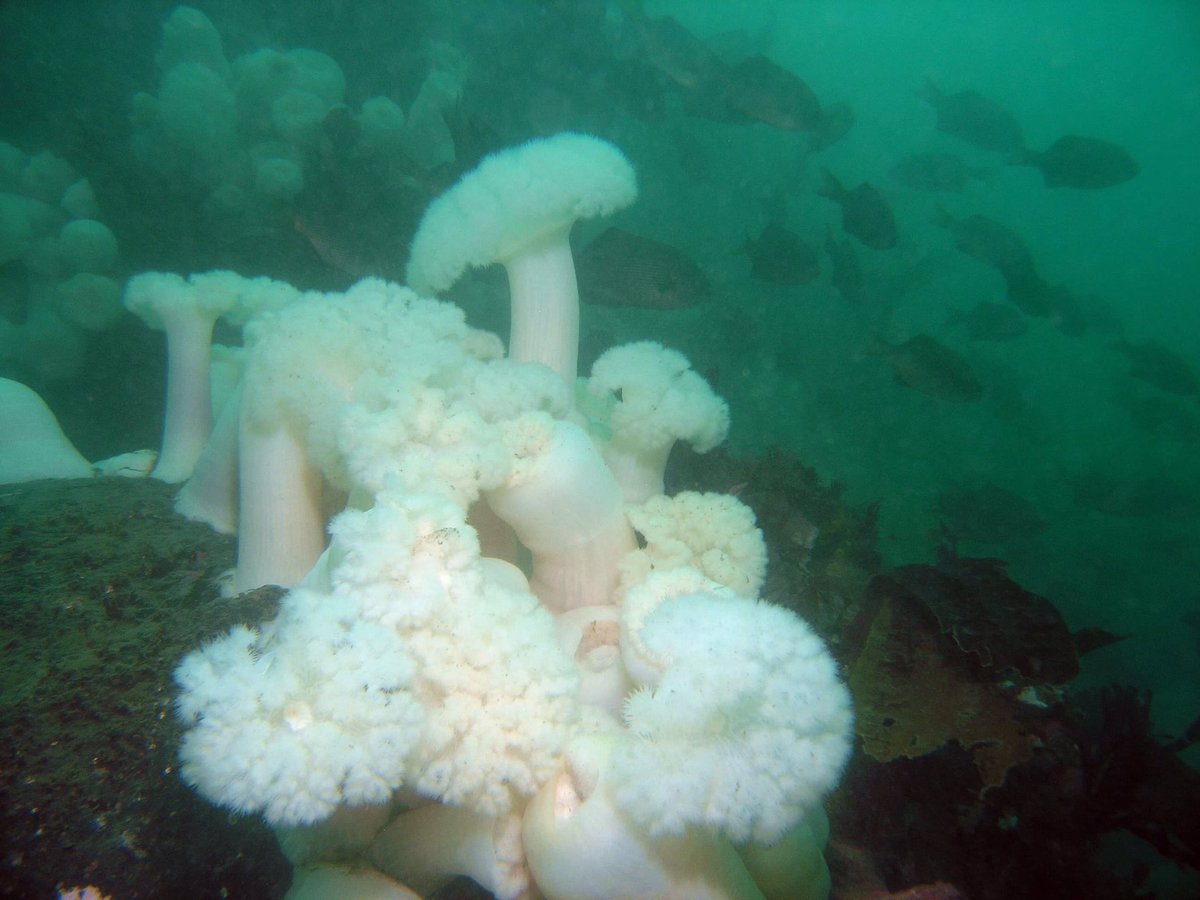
(517, 209)
(657, 399)
(742, 725)
(186, 312)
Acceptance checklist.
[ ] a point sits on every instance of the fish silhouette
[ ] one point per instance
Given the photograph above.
(1081, 162)
(974, 118)
(782, 257)
(753, 89)
(847, 276)
(670, 48)
(988, 241)
(930, 367)
(619, 268)
(764, 91)
(1156, 365)
(997, 245)
(865, 212)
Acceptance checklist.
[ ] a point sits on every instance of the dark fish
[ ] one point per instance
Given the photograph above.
(623, 269)
(925, 365)
(990, 514)
(344, 247)
(934, 172)
(989, 242)
(999, 246)
(782, 257)
(1066, 312)
(764, 91)
(1154, 364)
(1159, 415)
(1152, 496)
(989, 321)
(847, 276)
(1081, 162)
(865, 213)
(674, 51)
(974, 118)
(1035, 296)
(754, 89)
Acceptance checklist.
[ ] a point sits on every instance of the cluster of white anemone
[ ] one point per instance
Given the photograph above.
(246, 133)
(478, 669)
(59, 262)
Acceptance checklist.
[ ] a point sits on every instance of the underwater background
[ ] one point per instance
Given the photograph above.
(1011, 368)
